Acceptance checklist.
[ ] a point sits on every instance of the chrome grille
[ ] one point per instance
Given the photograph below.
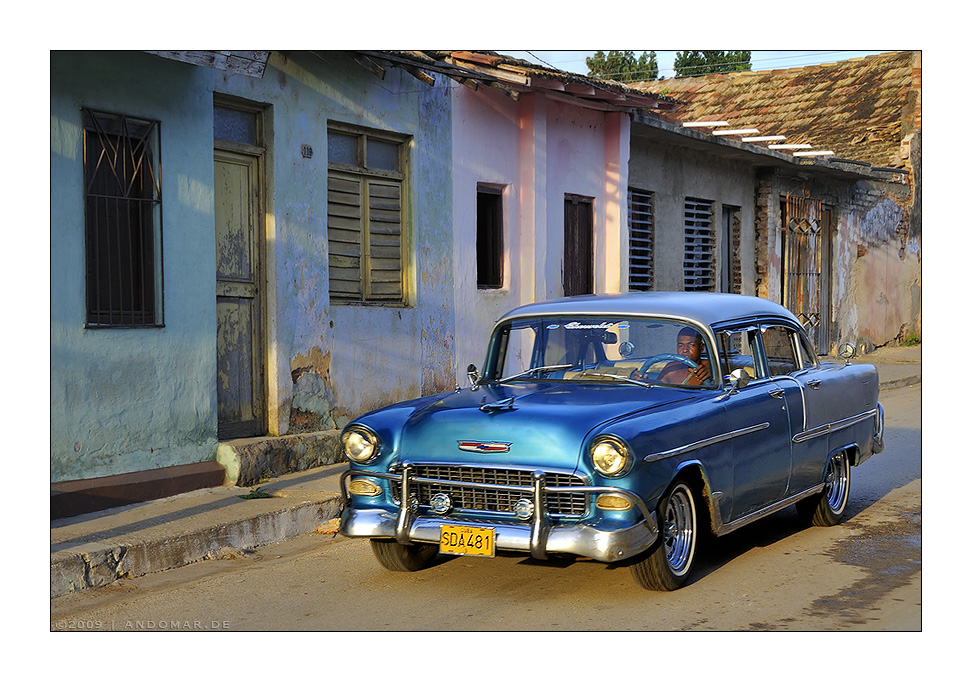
(469, 498)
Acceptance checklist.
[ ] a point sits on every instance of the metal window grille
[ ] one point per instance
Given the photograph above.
(699, 266)
(365, 216)
(641, 241)
(123, 225)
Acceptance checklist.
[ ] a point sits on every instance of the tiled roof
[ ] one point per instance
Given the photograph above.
(862, 109)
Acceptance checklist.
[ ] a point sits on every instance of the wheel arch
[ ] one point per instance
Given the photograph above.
(853, 451)
(693, 473)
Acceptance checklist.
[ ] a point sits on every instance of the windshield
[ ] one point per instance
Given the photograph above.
(637, 350)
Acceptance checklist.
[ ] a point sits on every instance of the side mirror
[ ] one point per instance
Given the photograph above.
(738, 378)
(473, 375)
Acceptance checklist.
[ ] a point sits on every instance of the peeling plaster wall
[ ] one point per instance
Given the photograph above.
(537, 150)
(876, 262)
(126, 400)
(673, 173)
(328, 363)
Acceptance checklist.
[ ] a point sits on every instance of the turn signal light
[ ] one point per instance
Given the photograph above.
(362, 486)
(609, 502)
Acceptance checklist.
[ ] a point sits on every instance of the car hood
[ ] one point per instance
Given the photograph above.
(540, 425)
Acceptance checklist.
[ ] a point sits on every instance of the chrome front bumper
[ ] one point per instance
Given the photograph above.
(538, 536)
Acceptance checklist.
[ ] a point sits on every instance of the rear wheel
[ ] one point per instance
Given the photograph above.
(398, 557)
(827, 507)
(668, 565)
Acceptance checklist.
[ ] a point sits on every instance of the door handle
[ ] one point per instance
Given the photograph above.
(777, 393)
(814, 384)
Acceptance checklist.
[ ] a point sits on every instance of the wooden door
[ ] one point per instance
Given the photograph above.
(578, 245)
(239, 297)
(806, 266)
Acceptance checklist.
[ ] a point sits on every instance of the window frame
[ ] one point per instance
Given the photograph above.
(141, 155)
(367, 177)
(490, 238)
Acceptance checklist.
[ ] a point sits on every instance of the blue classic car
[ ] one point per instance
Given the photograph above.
(615, 428)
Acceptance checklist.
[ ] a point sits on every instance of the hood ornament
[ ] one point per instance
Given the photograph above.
(506, 404)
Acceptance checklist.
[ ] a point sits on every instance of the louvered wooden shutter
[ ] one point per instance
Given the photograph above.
(698, 265)
(384, 240)
(641, 241)
(344, 235)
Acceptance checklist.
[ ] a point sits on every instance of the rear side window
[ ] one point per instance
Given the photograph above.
(780, 348)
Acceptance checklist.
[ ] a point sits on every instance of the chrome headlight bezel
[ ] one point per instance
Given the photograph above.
(611, 456)
(361, 445)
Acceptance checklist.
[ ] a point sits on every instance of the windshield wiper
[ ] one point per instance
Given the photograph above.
(548, 368)
(614, 376)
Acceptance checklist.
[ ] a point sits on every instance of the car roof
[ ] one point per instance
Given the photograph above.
(710, 309)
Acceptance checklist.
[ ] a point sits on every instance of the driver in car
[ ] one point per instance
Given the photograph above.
(689, 345)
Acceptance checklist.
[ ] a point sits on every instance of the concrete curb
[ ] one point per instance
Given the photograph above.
(164, 534)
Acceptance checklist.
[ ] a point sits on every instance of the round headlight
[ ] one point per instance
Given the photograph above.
(360, 445)
(610, 457)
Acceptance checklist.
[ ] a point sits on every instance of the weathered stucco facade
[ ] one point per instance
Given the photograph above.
(331, 361)
(130, 399)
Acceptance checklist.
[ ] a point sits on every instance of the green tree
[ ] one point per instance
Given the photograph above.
(701, 62)
(623, 66)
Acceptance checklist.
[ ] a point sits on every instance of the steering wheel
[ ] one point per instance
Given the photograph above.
(666, 356)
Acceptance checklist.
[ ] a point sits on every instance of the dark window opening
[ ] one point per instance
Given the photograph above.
(489, 237)
(123, 239)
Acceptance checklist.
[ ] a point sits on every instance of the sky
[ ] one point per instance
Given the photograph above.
(762, 60)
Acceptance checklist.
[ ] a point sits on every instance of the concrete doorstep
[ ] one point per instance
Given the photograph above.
(97, 549)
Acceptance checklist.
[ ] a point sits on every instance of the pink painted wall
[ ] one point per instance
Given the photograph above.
(538, 150)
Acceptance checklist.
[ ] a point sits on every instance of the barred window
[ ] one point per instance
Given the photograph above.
(365, 214)
(123, 221)
(699, 265)
(641, 241)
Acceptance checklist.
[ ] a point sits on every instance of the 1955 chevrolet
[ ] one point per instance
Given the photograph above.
(616, 428)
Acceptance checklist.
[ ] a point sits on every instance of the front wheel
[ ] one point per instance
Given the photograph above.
(826, 507)
(398, 557)
(667, 567)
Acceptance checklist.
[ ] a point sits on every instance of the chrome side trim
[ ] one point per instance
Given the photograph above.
(705, 442)
(723, 529)
(824, 429)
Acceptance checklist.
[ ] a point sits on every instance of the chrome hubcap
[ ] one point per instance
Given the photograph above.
(835, 487)
(679, 530)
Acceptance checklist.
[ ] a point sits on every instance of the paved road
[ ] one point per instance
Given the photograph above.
(864, 574)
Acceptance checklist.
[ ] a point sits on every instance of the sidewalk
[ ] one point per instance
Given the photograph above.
(96, 549)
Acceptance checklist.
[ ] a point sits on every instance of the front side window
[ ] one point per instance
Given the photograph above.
(739, 351)
(123, 221)
(366, 190)
(602, 349)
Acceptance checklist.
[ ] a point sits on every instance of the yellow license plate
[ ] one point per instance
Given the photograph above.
(467, 540)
